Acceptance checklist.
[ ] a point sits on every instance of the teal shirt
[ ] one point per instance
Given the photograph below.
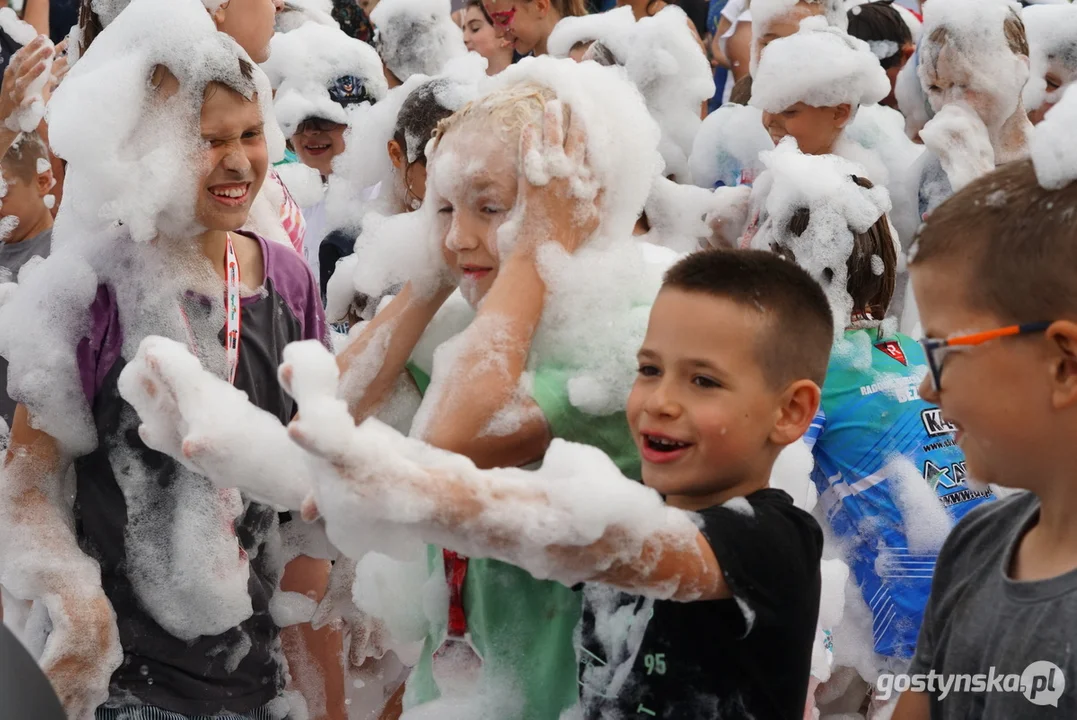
(522, 626)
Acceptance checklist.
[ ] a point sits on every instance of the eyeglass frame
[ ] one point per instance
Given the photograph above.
(936, 349)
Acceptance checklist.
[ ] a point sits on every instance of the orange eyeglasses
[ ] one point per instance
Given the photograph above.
(936, 349)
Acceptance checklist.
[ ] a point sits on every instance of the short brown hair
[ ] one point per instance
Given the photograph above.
(1015, 242)
(796, 326)
(22, 157)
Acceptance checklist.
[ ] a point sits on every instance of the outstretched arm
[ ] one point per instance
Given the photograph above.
(577, 520)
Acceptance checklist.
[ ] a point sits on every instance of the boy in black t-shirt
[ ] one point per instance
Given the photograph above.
(701, 606)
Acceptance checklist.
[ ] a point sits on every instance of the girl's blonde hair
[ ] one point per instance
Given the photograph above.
(504, 112)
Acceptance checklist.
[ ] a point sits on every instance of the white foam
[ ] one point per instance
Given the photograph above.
(417, 37)
(1054, 154)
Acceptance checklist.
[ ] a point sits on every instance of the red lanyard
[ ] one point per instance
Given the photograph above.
(232, 312)
(455, 572)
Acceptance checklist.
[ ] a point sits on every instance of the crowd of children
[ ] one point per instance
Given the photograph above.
(540, 360)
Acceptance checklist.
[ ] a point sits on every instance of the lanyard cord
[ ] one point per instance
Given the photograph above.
(232, 312)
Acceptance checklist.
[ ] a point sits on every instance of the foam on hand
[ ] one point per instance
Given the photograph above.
(29, 116)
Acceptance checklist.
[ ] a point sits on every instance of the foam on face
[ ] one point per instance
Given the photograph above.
(1054, 155)
(975, 57)
(1052, 45)
(305, 62)
(820, 68)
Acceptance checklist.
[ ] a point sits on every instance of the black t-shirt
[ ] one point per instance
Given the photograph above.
(745, 657)
(8, 47)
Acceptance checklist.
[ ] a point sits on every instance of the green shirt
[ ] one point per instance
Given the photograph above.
(521, 626)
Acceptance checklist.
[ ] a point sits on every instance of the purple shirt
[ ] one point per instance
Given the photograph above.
(209, 674)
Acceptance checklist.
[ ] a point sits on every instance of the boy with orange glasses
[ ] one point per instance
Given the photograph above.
(994, 278)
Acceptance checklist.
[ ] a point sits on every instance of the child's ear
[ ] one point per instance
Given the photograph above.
(219, 13)
(543, 7)
(45, 183)
(842, 113)
(396, 154)
(799, 404)
(1062, 339)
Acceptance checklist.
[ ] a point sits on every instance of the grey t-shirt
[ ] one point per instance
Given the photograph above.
(12, 257)
(1011, 644)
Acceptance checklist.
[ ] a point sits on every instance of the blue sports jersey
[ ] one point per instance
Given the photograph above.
(870, 414)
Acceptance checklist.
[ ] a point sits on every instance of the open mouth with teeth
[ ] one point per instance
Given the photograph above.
(318, 149)
(232, 195)
(656, 448)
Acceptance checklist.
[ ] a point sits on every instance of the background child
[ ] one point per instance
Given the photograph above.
(527, 26)
(29, 229)
(320, 76)
(1012, 560)
(481, 37)
(735, 589)
(883, 28)
(1052, 48)
(973, 67)
(158, 567)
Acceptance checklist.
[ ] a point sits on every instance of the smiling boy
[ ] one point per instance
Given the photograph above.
(721, 584)
(994, 279)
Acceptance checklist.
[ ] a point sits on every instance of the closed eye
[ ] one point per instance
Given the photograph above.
(649, 370)
(705, 382)
(445, 210)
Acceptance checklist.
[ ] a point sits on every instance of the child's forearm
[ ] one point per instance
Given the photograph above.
(370, 366)
(484, 378)
(39, 555)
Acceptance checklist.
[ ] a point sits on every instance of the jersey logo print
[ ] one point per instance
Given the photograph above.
(893, 349)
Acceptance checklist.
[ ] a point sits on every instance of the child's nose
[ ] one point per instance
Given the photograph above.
(236, 161)
(661, 403)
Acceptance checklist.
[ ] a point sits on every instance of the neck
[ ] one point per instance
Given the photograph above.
(551, 19)
(639, 8)
(741, 488)
(1011, 141)
(32, 229)
(1058, 507)
(213, 244)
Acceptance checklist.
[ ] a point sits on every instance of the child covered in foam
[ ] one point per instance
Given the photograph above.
(973, 66)
(550, 347)
(890, 478)
(320, 78)
(1052, 47)
(701, 602)
(158, 567)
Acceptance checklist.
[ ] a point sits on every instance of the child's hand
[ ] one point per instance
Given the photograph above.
(962, 143)
(60, 67)
(26, 66)
(211, 427)
(557, 196)
(367, 635)
(82, 652)
(728, 216)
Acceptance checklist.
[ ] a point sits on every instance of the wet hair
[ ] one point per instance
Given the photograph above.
(22, 157)
(482, 8)
(569, 8)
(601, 53)
(419, 117)
(504, 112)
(870, 282)
(741, 93)
(1013, 243)
(880, 22)
(796, 328)
(1012, 28)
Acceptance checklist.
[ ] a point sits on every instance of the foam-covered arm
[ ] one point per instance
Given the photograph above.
(371, 365)
(492, 358)
(40, 559)
(211, 427)
(576, 520)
